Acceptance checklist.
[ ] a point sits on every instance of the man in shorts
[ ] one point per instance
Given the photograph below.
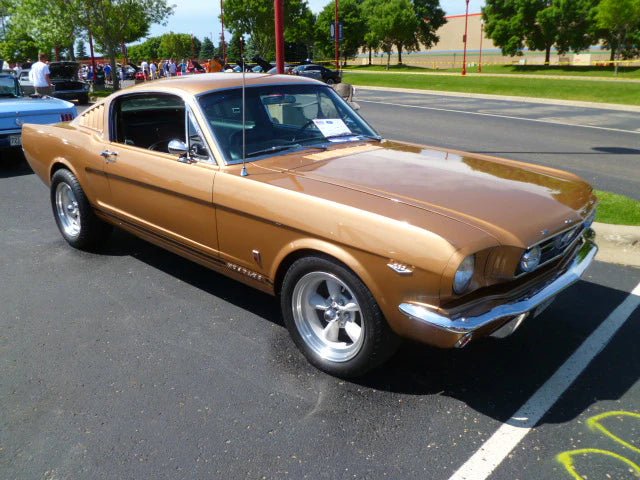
(40, 76)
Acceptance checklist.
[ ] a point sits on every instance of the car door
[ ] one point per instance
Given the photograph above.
(157, 193)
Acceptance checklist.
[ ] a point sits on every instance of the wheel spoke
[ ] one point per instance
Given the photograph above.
(350, 307)
(318, 302)
(331, 331)
(334, 289)
(353, 331)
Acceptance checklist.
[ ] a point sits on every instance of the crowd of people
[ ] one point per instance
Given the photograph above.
(169, 68)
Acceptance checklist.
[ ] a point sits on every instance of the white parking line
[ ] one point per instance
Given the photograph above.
(508, 117)
(507, 437)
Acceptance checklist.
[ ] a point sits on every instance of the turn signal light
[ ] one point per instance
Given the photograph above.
(66, 117)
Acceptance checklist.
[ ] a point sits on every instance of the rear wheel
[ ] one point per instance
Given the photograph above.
(83, 100)
(74, 216)
(333, 318)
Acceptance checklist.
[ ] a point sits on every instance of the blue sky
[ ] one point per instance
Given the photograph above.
(201, 19)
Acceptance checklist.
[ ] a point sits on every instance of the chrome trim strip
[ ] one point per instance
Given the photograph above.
(464, 325)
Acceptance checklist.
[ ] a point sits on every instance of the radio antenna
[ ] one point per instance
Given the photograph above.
(244, 172)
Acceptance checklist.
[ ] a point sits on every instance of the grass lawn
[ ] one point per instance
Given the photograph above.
(581, 90)
(617, 209)
(569, 70)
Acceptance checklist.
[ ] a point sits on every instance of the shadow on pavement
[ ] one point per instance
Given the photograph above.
(493, 377)
(13, 164)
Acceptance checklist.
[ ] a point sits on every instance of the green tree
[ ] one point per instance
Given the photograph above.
(116, 22)
(354, 28)
(575, 25)
(393, 23)
(233, 50)
(147, 50)
(621, 19)
(540, 25)
(208, 50)
(50, 23)
(430, 18)
(256, 18)
(81, 49)
(175, 45)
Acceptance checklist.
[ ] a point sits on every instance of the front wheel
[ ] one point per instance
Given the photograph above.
(74, 216)
(333, 318)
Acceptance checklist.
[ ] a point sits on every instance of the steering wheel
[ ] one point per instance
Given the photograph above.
(301, 129)
(160, 145)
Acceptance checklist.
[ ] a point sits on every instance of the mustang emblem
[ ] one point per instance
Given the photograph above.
(19, 122)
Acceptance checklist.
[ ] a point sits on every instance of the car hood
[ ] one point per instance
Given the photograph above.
(517, 203)
(25, 107)
(64, 70)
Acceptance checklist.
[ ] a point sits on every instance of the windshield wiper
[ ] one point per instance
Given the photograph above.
(273, 149)
(350, 134)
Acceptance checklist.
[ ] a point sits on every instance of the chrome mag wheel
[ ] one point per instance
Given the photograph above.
(328, 316)
(67, 210)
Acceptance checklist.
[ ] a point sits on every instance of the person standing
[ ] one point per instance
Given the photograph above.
(153, 68)
(145, 69)
(172, 68)
(40, 76)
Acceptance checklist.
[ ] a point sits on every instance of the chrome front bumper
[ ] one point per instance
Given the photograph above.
(507, 317)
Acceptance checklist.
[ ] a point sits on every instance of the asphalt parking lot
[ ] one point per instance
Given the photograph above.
(131, 362)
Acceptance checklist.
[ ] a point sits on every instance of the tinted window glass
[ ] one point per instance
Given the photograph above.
(150, 121)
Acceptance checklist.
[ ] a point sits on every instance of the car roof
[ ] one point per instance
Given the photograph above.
(195, 84)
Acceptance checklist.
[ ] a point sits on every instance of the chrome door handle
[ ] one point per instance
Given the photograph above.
(107, 154)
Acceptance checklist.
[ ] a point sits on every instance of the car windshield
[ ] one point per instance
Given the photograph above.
(8, 87)
(279, 118)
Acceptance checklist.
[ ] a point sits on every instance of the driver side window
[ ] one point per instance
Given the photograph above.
(149, 121)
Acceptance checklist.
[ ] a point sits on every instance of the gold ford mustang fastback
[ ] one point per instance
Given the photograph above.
(282, 186)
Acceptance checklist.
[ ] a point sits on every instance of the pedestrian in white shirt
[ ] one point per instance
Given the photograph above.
(154, 69)
(145, 69)
(40, 76)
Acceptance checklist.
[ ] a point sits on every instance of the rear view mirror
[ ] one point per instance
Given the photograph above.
(177, 147)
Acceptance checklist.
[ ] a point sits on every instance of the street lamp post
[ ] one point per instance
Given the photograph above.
(466, 28)
(481, 37)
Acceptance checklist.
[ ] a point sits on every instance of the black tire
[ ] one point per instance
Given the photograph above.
(83, 100)
(330, 81)
(347, 354)
(74, 216)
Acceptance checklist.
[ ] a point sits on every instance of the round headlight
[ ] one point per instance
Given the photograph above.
(464, 274)
(530, 259)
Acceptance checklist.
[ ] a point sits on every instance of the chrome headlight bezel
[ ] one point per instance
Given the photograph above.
(588, 221)
(530, 259)
(464, 274)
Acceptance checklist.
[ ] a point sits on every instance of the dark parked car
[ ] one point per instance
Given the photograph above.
(66, 82)
(318, 72)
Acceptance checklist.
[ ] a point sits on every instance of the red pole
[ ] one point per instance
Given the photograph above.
(224, 46)
(278, 6)
(466, 28)
(481, 35)
(336, 33)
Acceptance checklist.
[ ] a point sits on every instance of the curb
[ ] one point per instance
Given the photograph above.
(618, 244)
(509, 98)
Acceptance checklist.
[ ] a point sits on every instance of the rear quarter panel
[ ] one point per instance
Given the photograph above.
(49, 147)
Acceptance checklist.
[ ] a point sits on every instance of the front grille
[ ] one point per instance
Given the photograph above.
(554, 247)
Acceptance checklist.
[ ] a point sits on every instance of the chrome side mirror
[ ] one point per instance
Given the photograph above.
(178, 147)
